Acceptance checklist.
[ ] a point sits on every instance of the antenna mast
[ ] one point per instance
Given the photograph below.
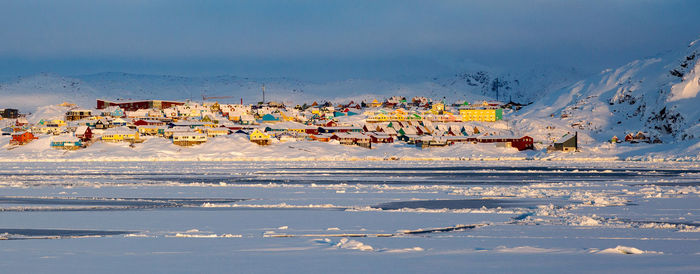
(263, 91)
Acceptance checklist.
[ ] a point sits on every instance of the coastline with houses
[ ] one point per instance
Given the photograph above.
(401, 128)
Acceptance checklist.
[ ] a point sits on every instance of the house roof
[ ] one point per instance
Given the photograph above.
(119, 130)
(81, 129)
(188, 133)
(65, 139)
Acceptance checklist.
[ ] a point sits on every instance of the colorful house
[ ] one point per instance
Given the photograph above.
(101, 124)
(149, 130)
(66, 142)
(482, 115)
(188, 138)
(78, 114)
(170, 132)
(259, 137)
(21, 138)
(567, 143)
(113, 111)
(269, 118)
(353, 138)
(119, 122)
(55, 123)
(217, 131)
(246, 119)
(84, 133)
(121, 134)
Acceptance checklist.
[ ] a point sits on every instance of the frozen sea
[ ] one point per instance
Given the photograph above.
(354, 217)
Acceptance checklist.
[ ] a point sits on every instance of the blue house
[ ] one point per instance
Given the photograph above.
(269, 118)
(67, 142)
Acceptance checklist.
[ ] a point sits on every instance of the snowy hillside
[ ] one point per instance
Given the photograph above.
(655, 95)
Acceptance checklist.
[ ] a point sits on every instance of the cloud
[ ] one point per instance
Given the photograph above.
(335, 35)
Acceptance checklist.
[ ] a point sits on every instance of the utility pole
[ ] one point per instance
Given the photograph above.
(263, 91)
(495, 85)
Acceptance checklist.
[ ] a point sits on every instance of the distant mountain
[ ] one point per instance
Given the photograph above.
(27, 93)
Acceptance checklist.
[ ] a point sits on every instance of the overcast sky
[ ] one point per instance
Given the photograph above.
(334, 39)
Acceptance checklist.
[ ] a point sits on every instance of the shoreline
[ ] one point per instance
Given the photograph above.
(358, 159)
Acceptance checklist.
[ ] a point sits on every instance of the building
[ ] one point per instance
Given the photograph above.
(121, 134)
(188, 138)
(21, 138)
(170, 132)
(566, 143)
(84, 133)
(431, 141)
(150, 130)
(270, 118)
(481, 115)
(259, 137)
(352, 138)
(216, 131)
(639, 137)
(113, 111)
(332, 129)
(136, 105)
(66, 142)
(380, 137)
(522, 143)
(78, 114)
(149, 122)
(9, 113)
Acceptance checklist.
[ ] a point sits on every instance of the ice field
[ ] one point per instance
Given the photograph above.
(354, 216)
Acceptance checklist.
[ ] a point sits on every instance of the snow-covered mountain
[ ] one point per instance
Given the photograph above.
(657, 95)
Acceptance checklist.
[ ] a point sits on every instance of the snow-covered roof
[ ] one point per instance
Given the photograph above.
(188, 133)
(65, 138)
(119, 130)
(81, 129)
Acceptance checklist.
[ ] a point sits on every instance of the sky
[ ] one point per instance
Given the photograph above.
(328, 39)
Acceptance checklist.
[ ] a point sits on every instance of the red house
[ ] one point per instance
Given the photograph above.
(141, 123)
(521, 143)
(380, 138)
(83, 133)
(21, 138)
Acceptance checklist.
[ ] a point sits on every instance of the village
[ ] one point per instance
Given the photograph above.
(419, 122)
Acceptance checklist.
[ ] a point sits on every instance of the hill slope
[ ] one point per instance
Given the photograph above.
(656, 95)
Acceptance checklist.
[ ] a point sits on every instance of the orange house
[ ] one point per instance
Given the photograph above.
(21, 138)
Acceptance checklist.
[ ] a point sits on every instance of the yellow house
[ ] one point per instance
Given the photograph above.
(288, 118)
(208, 118)
(381, 117)
(437, 108)
(259, 137)
(483, 115)
(219, 131)
(188, 138)
(56, 123)
(376, 103)
(148, 130)
(399, 115)
(399, 118)
(120, 135)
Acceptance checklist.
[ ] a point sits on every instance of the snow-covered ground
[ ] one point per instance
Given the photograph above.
(237, 147)
(349, 216)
